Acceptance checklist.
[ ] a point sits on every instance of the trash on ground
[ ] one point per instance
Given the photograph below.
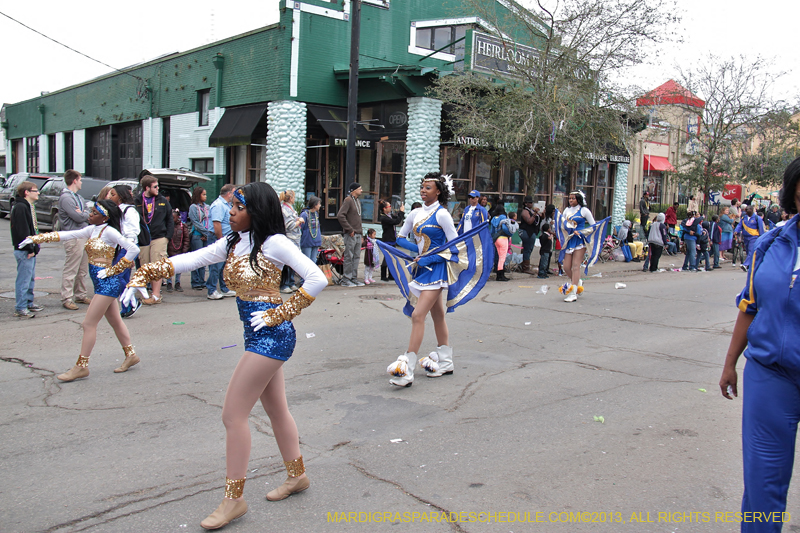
(543, 290)
(600, 419)
(702, 390)
(598, 275)
(309, 335)
(226, 347)
(527, 323)
(395, 440)
(480, 340)
(662, 269)
(178, 323)
(619, 285)
(676, 269)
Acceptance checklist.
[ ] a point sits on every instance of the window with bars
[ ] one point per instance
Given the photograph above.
(32, 154)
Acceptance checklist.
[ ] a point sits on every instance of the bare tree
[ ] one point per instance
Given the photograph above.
(739, 110)
(560, 103)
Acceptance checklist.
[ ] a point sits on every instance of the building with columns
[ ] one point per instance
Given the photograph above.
(271, 105)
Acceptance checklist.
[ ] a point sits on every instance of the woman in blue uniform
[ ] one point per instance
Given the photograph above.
(255, 253)
(579, 235)
(104, 241)
(431, 226)
(751, 227)
(767, 330)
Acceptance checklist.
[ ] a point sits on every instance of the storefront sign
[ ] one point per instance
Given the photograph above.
(493, 55)
(471, 141)
(612, 158)
(361, 144)
(398, 119)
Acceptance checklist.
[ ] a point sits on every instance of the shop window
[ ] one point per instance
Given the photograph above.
(203, 166)
(456, 163)
(391, 175)
(602, 175)
(203, 105)
(51, 153)
(314, 166)
(561, 185)
(68, 151)
(513, 179)
(652, 184)
(32, 154)
(584, 175)
(257, 169)
(487, 174)
(441, 39)
(539, 184)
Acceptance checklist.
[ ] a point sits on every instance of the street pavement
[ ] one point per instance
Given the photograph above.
(600, 416)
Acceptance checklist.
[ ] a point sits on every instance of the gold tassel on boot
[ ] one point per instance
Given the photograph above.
(130, 359)
(80, 370)
(228, 510)
(293, 484)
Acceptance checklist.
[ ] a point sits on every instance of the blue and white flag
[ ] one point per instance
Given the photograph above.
(469, 259)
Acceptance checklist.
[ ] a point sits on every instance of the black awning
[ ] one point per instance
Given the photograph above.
(334, 121)
(238, 124)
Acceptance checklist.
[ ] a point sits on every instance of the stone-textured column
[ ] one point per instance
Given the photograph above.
(620, 195)
(286, 146)
(422, 144)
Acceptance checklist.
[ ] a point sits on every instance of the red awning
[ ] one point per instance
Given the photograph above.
(660, 164)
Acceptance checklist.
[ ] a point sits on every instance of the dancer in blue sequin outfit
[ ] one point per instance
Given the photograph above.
(255, 253)
(104, 241)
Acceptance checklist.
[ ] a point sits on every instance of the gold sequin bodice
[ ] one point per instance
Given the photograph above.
(100, 254)
(250, 285)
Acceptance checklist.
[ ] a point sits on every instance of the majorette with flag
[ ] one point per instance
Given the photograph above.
(447, 262)
(580, 237)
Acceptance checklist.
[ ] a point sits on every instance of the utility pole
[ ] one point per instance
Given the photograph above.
(352, 91)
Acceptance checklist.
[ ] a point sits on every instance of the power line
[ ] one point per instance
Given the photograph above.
(70, 48)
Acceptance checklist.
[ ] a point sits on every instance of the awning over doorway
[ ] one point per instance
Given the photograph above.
(334, 121)
(237, 125)
(657, 163)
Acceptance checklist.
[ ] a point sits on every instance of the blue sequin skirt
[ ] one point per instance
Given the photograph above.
(111, 286)
(276, 342)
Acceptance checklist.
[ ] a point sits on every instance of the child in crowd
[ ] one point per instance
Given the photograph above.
(371, 259)
(545, 249)
(178, 244)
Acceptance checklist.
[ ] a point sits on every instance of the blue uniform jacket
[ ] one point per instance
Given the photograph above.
(479, 216)
(769, 295)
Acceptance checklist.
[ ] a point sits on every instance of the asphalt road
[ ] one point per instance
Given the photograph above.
(512, 433)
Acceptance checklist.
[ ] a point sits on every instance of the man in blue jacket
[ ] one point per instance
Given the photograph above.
(474, 215)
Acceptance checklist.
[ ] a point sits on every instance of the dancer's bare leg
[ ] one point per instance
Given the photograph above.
(575, 266)
(94, 314)
(439, 324)
(117, 324)
(426, 301)
(568, 265)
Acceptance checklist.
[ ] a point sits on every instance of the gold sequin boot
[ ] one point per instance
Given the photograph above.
(294, 483)
(230, 509)
(80, 370)
(130, 359)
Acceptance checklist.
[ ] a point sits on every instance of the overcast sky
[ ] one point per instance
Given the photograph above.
(125, 34)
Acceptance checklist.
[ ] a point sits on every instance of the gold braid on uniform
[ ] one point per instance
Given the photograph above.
(121, 266)
(45, 237)
(289, 309)
(161, 269)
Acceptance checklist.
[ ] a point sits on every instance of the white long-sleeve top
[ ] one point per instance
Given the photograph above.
(277, 249)
(106, 234)
(130, 222)
(443, 218)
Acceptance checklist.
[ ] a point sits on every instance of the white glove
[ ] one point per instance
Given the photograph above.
(128, 296)
(102, 274)
(257, 320)
(25, 243)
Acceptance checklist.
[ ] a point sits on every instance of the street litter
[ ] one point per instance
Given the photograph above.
(178, 323)
(702, 390)
(600, 419)
(395, 440)
(254, 470)
(619, 285)
(662, 270)
(48, 277)
(676, 269)
(226, 347)
(543, 290)
(598, 275)
(527, 323)
(309, 335)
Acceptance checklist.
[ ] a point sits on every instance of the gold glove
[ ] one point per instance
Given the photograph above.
(161, 269)
(289, 309)
(121, 266)
(45, 237)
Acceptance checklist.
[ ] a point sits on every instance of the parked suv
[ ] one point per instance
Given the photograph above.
(47, 204)
(173, 183)
(9, 189)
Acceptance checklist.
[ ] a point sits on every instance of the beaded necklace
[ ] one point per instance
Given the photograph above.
(313, 226)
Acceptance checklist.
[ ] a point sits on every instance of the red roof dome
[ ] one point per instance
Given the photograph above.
(670, 93)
